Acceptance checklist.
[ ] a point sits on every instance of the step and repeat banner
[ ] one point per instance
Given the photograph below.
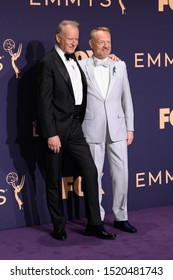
(142, 37)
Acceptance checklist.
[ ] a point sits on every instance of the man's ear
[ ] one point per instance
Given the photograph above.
(90, 43)
(57, 38)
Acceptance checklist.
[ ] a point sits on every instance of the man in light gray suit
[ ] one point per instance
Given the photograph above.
(109, 121)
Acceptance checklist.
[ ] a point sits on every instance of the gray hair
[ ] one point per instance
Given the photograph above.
(64, 23)
(93, 31)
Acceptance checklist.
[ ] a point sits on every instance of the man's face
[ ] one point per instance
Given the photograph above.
(68, 39)
(101, 44)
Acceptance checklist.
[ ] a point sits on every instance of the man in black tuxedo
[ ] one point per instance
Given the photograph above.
(62, 93)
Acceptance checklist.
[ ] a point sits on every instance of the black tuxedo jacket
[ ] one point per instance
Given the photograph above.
(56, 100)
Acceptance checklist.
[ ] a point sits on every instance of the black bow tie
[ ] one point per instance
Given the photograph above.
(69, 55)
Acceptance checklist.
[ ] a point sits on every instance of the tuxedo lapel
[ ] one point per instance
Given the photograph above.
(62, 69)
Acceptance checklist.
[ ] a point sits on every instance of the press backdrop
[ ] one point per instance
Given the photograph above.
(142, 37)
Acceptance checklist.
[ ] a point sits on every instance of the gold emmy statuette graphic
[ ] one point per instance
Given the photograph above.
(8, 46)
(1, 65)
(123, 8)
(11, 180)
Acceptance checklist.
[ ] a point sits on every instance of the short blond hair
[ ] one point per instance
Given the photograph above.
(64, 23)
(93, 31)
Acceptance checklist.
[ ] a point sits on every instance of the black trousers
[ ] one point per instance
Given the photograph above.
(75, 144)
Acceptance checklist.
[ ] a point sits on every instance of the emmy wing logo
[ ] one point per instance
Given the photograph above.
(9, 46)
(11, 179)
(1, 65)
(123, 8)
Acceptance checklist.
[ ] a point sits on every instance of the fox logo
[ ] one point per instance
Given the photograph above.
(163, 3)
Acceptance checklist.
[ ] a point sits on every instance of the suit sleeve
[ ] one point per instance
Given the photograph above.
(127, 101)
(46, 120)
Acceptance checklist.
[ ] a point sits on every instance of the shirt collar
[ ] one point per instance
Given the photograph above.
(60, 52)
(95, 59)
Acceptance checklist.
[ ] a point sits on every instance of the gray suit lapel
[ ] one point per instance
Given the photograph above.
(112, 76)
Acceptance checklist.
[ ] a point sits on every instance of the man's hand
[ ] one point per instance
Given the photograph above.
(114, 57)
(130, 136)
(54, 143)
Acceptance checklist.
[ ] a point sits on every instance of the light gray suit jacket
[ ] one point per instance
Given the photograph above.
(115, 112)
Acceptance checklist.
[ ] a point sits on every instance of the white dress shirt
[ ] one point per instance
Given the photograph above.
(102, 77)
(75, 76)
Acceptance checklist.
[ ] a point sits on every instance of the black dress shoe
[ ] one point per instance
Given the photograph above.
(125, 226)
(60, 234)
(99, 231)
